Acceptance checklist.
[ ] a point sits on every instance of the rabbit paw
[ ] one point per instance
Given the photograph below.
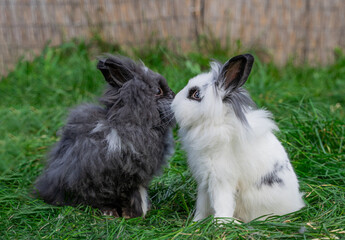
(128, 213)
(223, 221)
(110, 212)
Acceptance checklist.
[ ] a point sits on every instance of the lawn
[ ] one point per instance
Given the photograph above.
(307, 103)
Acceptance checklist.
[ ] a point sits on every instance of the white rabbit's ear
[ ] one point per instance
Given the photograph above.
(115, 70)
(235, 72)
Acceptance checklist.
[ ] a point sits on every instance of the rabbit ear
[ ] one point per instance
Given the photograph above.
(115, 71)
(235, 72)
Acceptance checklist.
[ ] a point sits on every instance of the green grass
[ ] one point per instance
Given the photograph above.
(307, 102)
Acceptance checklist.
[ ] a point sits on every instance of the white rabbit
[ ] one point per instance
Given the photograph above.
(241, 168)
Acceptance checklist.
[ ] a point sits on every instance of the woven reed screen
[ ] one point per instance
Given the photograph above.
(309, 30)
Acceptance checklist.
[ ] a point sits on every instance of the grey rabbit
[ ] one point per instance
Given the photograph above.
(109, 153)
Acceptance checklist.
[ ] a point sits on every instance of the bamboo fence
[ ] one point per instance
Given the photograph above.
(308, 30)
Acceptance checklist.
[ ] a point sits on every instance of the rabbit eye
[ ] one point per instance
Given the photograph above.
(194, 94)
(159, 92)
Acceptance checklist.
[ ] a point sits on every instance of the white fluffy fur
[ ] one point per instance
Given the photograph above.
(144, 197)
(229, 159)
(114, 141)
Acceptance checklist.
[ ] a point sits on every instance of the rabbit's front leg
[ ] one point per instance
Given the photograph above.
(222, 197)
(202, 203)
(136, 203)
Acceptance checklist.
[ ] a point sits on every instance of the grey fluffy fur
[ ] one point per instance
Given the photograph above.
(106, 153)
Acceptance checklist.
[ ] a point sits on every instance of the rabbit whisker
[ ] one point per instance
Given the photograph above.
(165, 124)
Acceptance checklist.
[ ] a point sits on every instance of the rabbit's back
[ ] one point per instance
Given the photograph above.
(75, 159)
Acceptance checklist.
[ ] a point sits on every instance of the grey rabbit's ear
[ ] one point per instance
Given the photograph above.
(235, 72)
(115, 70)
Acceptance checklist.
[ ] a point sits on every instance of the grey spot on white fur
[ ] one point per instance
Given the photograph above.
(236, 98)
(240, 102)
(272, 178)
